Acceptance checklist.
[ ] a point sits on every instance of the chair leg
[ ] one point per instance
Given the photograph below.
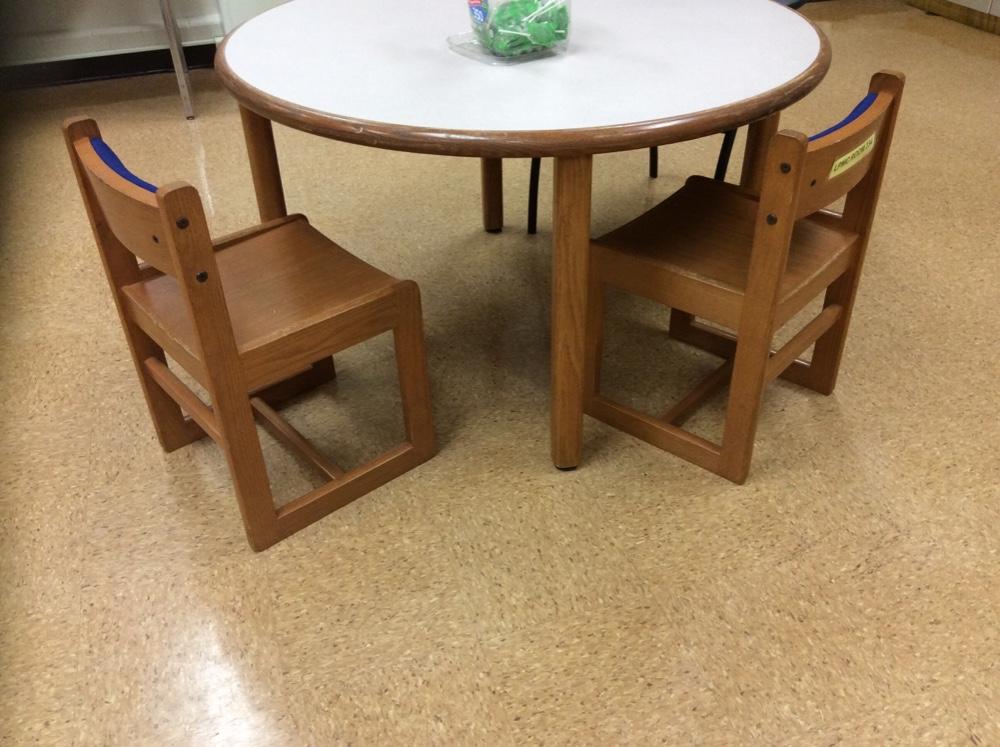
(654, 162)
(680, 322)
(319, 373)
(325, 370)
(825, 365)
(536, 169)
(411, 360)
(746, 394)
(172, 429)
(725, 153)
(594, 338)
(241, 445)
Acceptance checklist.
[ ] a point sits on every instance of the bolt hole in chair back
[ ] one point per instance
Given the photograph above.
(255, 319)
(749, 263)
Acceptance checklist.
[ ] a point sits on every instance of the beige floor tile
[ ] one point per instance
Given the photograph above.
(847, 594)
(611, 675)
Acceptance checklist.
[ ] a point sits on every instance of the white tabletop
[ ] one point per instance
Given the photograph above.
(629, 61)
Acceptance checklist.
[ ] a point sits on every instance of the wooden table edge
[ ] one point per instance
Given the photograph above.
(525, 143)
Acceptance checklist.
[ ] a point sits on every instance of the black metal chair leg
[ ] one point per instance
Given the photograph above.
(722, 166)
(536, 170)
(654, 162)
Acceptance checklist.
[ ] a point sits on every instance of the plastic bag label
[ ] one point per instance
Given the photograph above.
(480, 10)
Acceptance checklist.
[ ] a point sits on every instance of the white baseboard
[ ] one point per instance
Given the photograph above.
(70, 45)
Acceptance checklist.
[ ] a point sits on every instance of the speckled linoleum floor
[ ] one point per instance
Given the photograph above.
(849, 593)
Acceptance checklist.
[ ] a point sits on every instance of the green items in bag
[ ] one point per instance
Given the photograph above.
(511, 28)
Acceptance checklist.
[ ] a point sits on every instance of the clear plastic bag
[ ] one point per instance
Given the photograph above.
(505, 31)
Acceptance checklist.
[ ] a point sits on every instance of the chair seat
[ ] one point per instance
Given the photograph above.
(692, 252)
(283, 281)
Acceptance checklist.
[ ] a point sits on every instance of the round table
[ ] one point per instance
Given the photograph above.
(638, 73)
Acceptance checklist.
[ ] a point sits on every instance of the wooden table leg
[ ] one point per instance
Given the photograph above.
(758, 138)
(264, 165)
(492, 169)
(570, 268)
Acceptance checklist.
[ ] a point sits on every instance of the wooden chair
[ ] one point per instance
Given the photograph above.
(254, 318)
(749, 263)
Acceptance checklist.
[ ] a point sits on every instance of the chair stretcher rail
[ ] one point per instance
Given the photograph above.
(282, 430)
(200, 412)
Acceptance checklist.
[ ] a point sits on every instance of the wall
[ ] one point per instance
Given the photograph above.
(981, 14)
(235, 12)
(46, 30)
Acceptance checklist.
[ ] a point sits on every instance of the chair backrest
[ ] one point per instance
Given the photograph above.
(166, 227)
(851, 153)
(803, 175)
(122, 207)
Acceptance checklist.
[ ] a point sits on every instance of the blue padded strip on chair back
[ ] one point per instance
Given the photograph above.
(860, 109)
(113, 162)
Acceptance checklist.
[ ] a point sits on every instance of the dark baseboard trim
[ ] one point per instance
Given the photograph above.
(102, 68)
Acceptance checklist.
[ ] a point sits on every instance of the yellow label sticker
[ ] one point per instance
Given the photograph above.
(852, 159)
